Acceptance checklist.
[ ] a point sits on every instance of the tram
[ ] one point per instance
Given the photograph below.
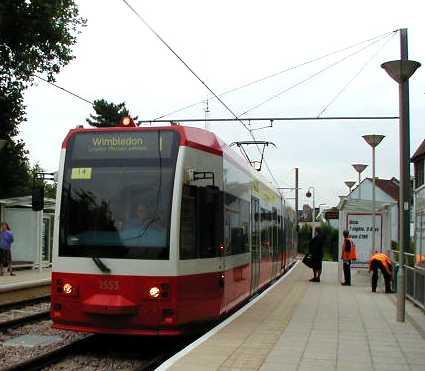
(160, 229)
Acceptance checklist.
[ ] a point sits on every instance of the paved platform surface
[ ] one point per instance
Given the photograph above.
(24, 278)
(300, 326)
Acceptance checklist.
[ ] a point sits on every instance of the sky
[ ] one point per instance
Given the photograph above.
(229, 44)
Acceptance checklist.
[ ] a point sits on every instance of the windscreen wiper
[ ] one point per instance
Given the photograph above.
(101, 265)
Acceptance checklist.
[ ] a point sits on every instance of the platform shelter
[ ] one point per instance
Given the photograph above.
(33, 230)
(356, 216)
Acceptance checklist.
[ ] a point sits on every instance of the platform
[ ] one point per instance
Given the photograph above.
(301, 325)
(25, 278)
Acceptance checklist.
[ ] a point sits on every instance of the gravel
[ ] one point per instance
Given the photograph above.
(11, 355)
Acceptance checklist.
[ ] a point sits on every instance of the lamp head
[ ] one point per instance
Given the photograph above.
(359, 167)
(373, 139)
(400, 70)
(349, 184)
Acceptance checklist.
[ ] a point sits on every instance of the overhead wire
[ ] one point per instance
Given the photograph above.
(380, 37)
(200, 80)
(65, 90)
(178, 57)
(308, 78)
(355, 76)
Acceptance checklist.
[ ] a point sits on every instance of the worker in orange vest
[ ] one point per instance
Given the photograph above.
(348, 254)
(382, 262)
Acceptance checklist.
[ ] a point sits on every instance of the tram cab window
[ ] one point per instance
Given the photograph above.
(201, 230)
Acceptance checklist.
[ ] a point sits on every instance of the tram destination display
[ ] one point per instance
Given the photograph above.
(112, 145)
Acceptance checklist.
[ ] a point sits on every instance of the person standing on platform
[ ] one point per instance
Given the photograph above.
(384, 264)
(316, 252)
(348, 254)
(6, 239)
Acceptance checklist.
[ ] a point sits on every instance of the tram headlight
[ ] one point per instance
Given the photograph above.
(68, 289)
(154, 292)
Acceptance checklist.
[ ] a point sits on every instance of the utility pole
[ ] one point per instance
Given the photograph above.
(401, 70)
(296, 197)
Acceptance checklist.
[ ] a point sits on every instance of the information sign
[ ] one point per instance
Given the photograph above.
(360, 227)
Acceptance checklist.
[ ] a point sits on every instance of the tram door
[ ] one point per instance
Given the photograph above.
(255, 244)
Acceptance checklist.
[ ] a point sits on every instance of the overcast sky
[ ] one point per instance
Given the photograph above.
(228, 44)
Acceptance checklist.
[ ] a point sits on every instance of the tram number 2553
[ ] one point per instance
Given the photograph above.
(109, 285)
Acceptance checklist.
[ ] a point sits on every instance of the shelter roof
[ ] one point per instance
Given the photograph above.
(357, 205)
(26, 201)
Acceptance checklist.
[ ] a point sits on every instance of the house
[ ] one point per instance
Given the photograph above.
(418, 160)
(416, 277)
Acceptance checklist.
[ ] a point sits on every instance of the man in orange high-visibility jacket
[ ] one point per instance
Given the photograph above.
(384, 263)
(348, 255)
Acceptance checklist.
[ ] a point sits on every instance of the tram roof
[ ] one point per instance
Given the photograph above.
(193, 137)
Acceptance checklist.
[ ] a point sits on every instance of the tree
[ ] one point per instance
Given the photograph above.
(304, 238)
(15, 176)
(108, 114)
(331, 242)
(36, 36)
(48, 184)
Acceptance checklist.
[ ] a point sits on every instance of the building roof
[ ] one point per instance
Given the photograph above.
(420, 152)
(389, 186)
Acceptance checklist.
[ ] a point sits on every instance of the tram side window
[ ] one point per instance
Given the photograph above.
(266, 241)
(275, 233)
(187, 223)
(200, 228)
(237, 219)
(280, 231)
(210, 206)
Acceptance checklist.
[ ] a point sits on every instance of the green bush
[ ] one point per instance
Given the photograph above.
(304, 237)
(330, 248)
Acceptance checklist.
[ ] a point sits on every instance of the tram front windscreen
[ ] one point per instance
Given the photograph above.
(116, 194)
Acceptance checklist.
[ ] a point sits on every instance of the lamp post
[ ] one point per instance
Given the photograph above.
(359, 168)
(309, 194)
(400, 71)
(2, 143)
(373, 140)
(349, 184)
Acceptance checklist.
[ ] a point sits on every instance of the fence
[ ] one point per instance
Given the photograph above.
(415, 279)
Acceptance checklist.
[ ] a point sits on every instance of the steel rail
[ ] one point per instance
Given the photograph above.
(45, 314)
(10, 305)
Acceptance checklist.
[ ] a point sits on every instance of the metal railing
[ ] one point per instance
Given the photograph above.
(414, 278)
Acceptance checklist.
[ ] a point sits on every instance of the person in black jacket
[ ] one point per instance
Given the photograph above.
(316, 252)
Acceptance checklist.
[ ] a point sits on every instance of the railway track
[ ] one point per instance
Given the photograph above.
(22, 312)
(21, 302)
(44, 360)
(92, 353)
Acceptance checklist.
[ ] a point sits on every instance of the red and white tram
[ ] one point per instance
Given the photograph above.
(160, 229)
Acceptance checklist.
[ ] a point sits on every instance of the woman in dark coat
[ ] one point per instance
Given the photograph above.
(316, 252)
